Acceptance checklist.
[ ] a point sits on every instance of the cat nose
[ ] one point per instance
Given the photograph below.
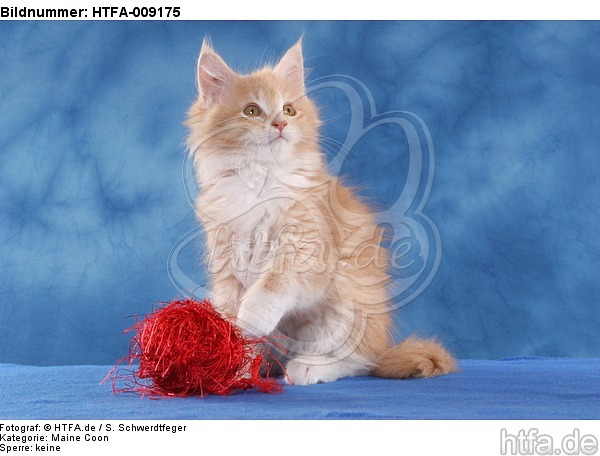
(279, 124)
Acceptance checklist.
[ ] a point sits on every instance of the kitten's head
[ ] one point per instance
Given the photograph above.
(265, 114)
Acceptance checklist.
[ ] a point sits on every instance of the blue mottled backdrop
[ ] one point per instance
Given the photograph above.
(93, 197)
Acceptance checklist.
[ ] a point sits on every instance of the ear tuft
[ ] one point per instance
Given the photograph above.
(291, 66)
(214, 76)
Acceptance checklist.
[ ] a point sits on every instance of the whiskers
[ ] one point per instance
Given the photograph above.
(219, 135)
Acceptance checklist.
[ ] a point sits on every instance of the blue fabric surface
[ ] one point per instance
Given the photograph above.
(93, 198)
(529, 388)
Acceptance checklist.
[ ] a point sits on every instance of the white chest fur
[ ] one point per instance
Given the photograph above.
(249, 205)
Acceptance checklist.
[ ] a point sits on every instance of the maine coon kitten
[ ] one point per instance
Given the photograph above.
(291, 251)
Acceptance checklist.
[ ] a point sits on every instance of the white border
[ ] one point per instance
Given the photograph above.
(354, 437)
(371, 10)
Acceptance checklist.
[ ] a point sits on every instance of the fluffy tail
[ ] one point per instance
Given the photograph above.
(415, 358)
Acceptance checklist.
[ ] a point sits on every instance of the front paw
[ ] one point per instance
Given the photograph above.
(259, 313)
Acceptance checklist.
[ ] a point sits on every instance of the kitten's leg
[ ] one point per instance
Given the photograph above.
(269, 299)
(226, 290)
(295, 278)
(261, 309)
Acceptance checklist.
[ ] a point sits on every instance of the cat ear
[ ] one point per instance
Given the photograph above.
(291, 66)
(214, 76)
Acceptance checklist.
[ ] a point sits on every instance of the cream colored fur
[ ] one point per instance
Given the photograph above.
(292, 252)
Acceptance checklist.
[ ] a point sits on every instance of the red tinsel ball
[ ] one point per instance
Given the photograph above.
(189, 349)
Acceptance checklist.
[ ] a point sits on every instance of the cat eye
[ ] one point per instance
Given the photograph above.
(289, 110)
(252, 110)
